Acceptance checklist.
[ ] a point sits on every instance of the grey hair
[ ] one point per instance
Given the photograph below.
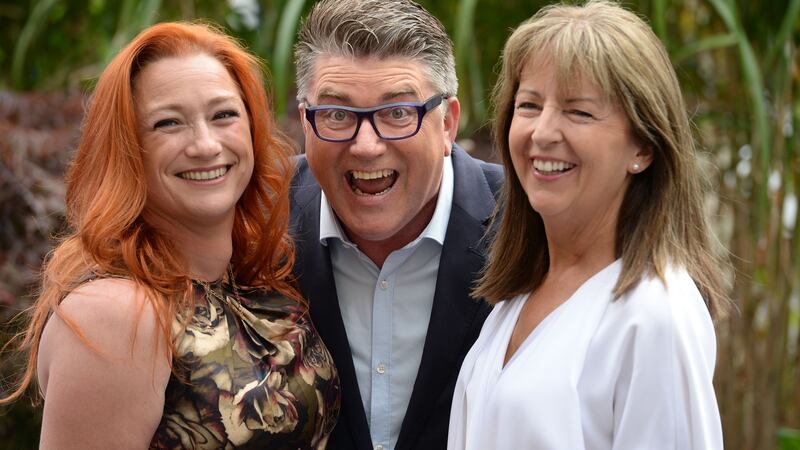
(379, 29)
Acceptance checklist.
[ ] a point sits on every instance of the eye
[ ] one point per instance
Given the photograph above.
(524, 108)
(226, 114)
(582, 115)
(333, 115)
(338, 115)
(528, 106)
(165, 123)
(398, 113)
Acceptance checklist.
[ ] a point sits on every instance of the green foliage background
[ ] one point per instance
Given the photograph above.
(740, 72)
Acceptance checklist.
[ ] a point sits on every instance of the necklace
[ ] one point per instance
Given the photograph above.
(221, 296)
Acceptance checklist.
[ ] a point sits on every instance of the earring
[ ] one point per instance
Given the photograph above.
(635, 167)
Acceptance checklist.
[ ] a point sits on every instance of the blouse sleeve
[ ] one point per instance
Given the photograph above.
(664, 397)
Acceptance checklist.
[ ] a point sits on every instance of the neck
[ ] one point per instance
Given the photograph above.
(206, 248)
(378, 251)
(586, 246)
(209, 261)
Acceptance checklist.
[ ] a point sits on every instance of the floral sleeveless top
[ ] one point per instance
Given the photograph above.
(254, 374)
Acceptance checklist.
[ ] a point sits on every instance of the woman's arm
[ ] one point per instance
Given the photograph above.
(111, 396)
(664, 397)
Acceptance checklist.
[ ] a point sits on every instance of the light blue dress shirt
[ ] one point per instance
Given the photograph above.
(386, 311)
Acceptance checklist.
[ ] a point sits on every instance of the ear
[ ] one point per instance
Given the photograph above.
(451, 123)
(301, 109)
(641, 161)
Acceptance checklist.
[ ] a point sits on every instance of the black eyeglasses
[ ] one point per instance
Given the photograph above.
(393, 121)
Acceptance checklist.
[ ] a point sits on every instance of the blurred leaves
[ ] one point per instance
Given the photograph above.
(739, 69)
(38, 133)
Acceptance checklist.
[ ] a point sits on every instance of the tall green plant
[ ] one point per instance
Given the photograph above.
(36, 23)
(470, 92)
(282, 55)
(748, 104)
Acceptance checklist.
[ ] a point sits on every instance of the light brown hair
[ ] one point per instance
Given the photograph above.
(661, 221)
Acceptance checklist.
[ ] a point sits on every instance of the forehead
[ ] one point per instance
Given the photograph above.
(368, 81)
(545, 76)
(166, 77)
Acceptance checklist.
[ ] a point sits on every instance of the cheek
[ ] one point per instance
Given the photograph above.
(241, 136)
(250, 158)
(517, 139)
(518, 136)
(322, 162)
(313, 154)
(520, 168)
(150, 165)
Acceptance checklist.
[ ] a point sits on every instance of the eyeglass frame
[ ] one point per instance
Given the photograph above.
(422, 107)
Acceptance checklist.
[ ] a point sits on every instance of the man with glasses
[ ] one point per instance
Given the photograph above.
(388, 215)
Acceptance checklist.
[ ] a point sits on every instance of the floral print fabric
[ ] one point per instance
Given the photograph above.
(253, 374)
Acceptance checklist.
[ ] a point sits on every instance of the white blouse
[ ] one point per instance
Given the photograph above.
(635, 373)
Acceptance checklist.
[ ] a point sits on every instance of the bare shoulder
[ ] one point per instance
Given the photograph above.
(110, 317)
(111, 353)
(107, 298)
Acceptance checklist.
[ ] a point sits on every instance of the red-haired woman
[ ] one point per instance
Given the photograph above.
(166, 317)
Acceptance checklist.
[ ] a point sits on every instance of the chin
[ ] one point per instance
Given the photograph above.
(371, 234)
(371, 231)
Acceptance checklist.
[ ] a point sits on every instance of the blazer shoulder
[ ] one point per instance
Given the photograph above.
(304, 188)
(493, 174)
(302, 173)
(464, 163)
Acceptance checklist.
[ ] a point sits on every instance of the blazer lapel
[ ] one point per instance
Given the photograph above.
(315, 275)
(454, 316)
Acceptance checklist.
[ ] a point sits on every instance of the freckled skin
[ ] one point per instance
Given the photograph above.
(390, 220)
(191, 117)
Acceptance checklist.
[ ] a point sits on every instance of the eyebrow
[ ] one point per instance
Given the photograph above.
(330, 94)
(222, 98)
(393, 95)
(582, 99)
(568, 100)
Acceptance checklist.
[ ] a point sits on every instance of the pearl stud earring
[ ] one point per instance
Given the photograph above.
(636, 167)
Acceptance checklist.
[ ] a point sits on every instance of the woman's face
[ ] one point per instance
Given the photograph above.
(573, 152)
(195, 135)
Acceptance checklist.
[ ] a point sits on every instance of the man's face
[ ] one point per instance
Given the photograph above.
(381, 190)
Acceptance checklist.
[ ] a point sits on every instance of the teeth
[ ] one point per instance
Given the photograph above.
(204, 175)
(361, 175)
(551, 166)
(360, 192)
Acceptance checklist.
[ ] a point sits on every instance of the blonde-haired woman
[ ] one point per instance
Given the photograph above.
(167, 318)
(604, 274)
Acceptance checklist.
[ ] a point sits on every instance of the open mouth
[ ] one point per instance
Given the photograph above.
(376, 182)
(552, 167)
(204, 175)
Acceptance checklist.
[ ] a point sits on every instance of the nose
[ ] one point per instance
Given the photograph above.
(547, 127)
(205, 144)
(367, 143)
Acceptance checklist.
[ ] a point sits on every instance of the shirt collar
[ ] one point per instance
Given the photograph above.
(329, 226)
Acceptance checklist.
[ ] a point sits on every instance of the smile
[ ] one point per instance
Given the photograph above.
(376, 182)
(204, 175)
(552, 167)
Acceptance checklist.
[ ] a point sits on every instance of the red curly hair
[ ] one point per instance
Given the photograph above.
(106, 194)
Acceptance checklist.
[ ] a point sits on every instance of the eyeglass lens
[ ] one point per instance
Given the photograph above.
(391, 122)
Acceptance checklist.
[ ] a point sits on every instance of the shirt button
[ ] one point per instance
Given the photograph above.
(381, 369)
(379, 447)
(384, 284)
